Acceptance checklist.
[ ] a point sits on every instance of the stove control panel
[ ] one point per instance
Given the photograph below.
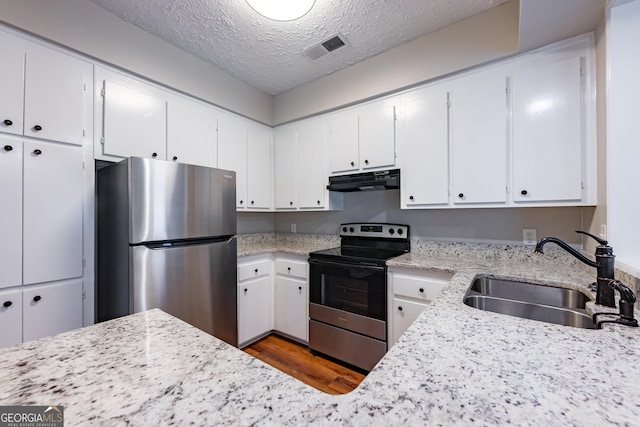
(377, 230)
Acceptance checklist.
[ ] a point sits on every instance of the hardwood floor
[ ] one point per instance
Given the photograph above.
(297, 361)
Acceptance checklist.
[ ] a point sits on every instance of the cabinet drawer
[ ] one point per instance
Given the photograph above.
(291, 268)
(253, 270)
(417, 287)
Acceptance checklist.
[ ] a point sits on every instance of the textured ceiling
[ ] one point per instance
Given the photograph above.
(269, 54)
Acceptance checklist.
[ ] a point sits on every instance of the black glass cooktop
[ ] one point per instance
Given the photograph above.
(357, 254)
(367, 243)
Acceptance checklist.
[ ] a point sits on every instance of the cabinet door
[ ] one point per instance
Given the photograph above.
(11, 87)
(134, 122)
(10, 318)
(312, 179)
(547, 132)
(285, 158)
(52, 212)
(54, 97)
(376, 126)
(259, 166)
(232, 153)
(191, 133)
(254, 309)
(11, 212)
(404, 314)
(343, 142)
(51, 309)
(479, 138)
(425, 141)
(290, 307)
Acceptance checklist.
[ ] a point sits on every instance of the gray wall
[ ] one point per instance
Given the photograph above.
(256, 222)
(498, 225)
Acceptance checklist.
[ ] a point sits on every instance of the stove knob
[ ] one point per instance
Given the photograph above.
(344, 229)
(351, 229)
(391, 231)
(400, 231)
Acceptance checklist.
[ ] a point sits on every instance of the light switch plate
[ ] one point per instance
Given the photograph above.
(529, 236)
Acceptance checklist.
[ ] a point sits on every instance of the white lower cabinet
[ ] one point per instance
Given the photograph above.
(291, 298)
(50, 309)
(31, 312)
(254, 298)
(409, 293)
(271, 300)
(10, 317)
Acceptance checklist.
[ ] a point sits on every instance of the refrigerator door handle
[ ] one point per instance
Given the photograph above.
(186, 242)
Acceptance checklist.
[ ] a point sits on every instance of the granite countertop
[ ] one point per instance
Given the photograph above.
(454, 366)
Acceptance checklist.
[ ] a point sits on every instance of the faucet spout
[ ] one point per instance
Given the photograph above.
(604, 263)
(567, 248)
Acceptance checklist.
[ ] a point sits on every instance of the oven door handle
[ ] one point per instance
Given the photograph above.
(323, 263)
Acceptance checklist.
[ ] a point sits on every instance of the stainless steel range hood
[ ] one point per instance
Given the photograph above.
(367, 181)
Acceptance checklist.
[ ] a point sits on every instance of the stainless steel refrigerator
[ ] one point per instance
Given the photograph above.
(166, 239)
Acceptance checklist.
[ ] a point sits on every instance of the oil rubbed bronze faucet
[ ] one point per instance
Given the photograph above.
(604, 263)
(605, 280)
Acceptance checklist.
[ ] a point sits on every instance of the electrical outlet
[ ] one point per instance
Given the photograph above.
(529, 236)
(293, 228)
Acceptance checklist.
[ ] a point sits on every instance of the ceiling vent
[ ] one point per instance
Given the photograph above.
(327, 46)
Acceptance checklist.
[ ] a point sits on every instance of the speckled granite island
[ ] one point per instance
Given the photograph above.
(455, 366)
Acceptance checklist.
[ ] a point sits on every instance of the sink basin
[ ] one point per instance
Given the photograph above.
(530, 301)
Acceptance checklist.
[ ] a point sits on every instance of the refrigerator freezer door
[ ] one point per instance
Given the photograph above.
(170, 201)
(195, 283)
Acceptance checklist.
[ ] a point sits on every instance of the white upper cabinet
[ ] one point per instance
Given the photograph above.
(376, 125)
(232, 152)
(134, 120)
(312, 177)
(11, 87)
(285, 168)
(343, 142)
(54, 97)
(300, 167)
(46, 94)
(423, 135)
(11, 213)
(479, 128)
(362, 138)
(191, 132)
(52, 212)
(259, 167)
(548, 132)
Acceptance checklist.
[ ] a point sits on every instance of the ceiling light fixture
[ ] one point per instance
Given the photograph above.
(282, 10)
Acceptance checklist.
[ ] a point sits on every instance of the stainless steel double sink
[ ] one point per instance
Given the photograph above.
(527, 300)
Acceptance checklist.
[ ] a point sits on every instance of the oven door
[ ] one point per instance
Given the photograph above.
(349, 296)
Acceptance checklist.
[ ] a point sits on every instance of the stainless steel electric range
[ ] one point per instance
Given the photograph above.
(348, 292)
